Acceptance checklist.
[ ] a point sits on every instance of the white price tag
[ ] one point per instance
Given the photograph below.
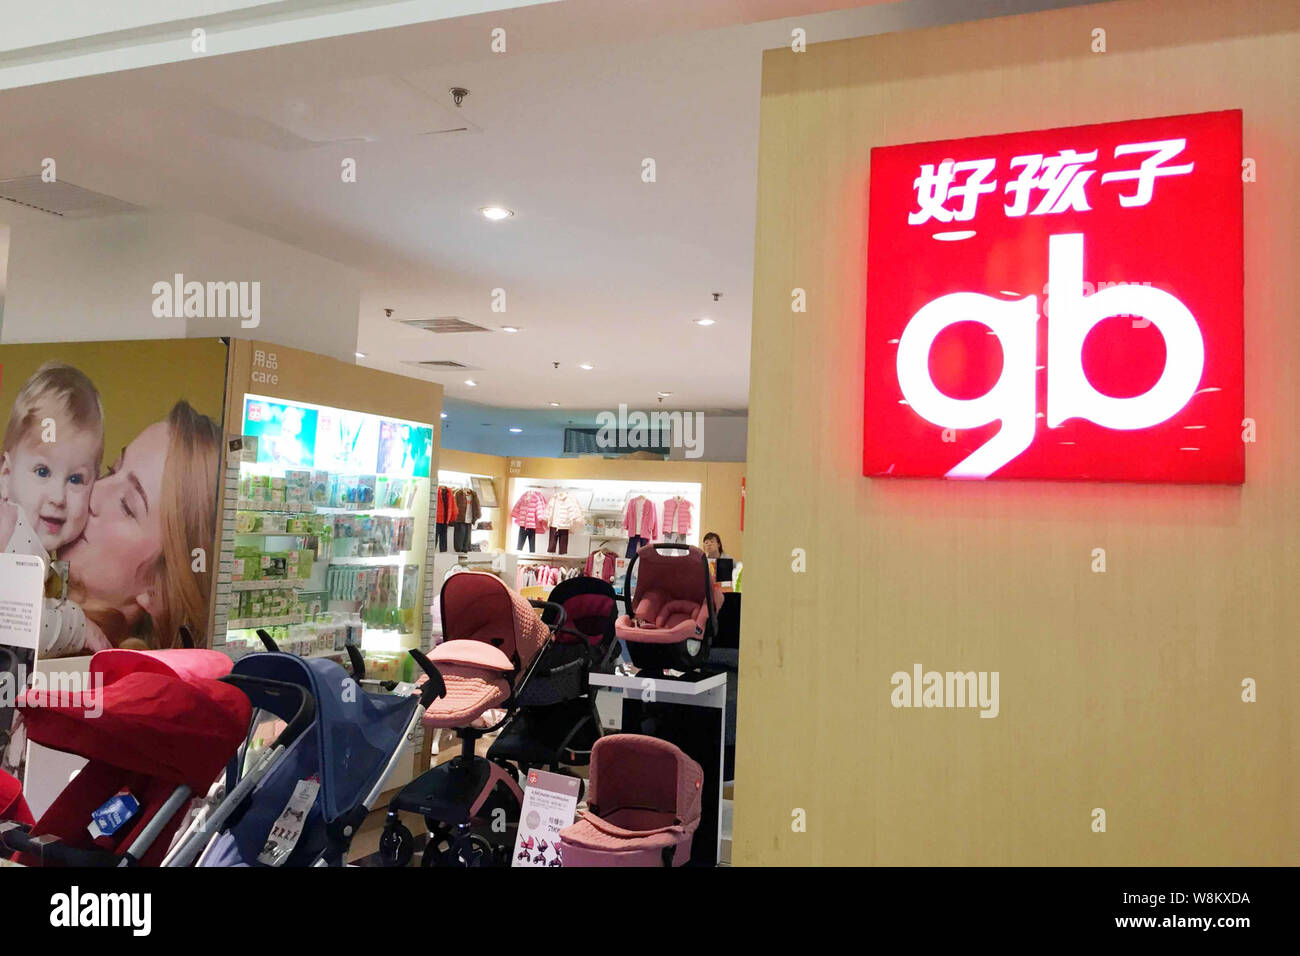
(287, 829)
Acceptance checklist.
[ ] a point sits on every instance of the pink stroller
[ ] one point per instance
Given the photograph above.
(492, 642)
(672, 615)
(643, 805)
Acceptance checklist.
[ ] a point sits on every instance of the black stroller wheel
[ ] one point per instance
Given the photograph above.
(396, 845)
(473, 850)
(477, 851)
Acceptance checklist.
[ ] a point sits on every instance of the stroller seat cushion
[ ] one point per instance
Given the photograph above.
(470, 692)
(653, 634)
(473, 654)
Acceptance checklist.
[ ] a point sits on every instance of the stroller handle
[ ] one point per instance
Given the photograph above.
(560, 616)
(16, 838)
(434, 687)
(267, 641)
(292, 703)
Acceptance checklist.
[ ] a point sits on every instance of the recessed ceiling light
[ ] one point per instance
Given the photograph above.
(444, 414)
(665, 394)
(516, 430)
(496, 213)
(586, 366)
(704, 321)
(511, 328)
(553, 404)
(361, 355)
(471, 383)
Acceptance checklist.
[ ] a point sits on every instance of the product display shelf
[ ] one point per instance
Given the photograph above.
(272, 584)
(244, 504)
(249, 624)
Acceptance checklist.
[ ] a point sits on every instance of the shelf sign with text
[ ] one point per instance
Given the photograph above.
(1060, 304)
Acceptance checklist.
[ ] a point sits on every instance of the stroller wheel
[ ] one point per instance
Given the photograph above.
(396, 845)
(473, 850)
(477, 851)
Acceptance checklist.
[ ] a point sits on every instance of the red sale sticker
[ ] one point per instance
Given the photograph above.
(1059, 304)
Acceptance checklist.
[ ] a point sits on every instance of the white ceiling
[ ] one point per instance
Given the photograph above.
(597, 266)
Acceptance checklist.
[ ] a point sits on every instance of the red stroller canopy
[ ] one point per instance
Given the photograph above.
(186, 663)
(155, 724)
(12, 805)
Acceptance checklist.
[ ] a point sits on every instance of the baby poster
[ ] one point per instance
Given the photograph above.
(110, 457)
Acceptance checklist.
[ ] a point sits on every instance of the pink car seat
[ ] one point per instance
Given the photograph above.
(643, 805)
(673, 611)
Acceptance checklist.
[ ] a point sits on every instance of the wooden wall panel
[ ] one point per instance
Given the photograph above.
(1119, 690)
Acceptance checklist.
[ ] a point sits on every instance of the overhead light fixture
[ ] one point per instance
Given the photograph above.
(444, 414)
(665, 394)
(586, 366)
(471, 383)
(511, 328)
(516, 431)
(704, 321)
(361, 355)
(496, 213)
(553, 404)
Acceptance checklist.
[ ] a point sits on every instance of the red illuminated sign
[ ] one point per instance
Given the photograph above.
(1061, 304)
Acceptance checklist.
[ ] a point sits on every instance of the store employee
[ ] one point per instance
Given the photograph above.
(712, 546)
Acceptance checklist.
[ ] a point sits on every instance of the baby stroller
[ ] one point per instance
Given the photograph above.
(493, 640)
(319, 777)
(643, 806)
(672, 614)
(160, 727)
(557, 722)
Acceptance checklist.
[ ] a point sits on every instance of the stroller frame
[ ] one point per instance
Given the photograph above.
(296, 705)
(454, 796)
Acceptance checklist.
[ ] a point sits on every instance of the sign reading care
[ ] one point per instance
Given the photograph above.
(1061, 304)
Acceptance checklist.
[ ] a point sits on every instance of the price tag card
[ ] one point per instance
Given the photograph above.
(550, 804)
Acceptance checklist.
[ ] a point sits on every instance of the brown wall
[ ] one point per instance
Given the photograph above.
(1119, 690)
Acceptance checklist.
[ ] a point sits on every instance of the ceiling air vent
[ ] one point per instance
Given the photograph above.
(444, 325)
(446, 363)
(61, 199)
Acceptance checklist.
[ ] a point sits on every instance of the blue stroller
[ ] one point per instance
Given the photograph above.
(321, 774)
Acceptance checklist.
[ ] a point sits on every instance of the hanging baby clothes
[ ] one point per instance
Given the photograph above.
(446, 515)
(677, 519)
(529, 513)
(641, 523)
(600, 564)
(563, 514)
(468, 512)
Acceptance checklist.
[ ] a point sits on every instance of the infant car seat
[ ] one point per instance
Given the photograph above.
(643, 805)
(672, 613)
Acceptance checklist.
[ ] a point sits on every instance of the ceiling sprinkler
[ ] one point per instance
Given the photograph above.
(458, 94)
